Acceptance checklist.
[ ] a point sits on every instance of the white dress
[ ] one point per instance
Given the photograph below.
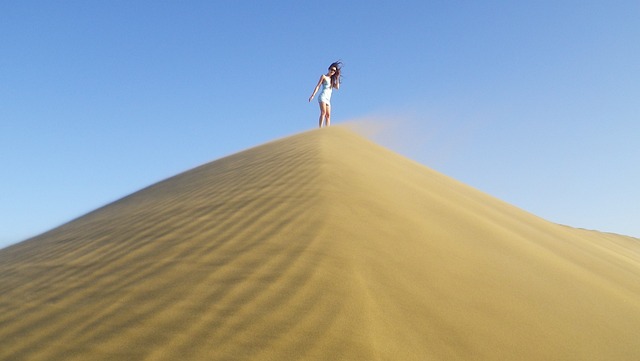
(325, 93)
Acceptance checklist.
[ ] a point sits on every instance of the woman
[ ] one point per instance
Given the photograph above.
(328, 82)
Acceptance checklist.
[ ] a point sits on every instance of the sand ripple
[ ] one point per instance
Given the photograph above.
(320, 246)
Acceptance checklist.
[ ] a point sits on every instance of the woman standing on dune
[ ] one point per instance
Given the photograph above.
(328, 82)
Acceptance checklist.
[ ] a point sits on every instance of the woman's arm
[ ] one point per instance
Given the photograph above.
(316, 89)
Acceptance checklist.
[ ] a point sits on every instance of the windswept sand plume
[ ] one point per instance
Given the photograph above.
(320, 246)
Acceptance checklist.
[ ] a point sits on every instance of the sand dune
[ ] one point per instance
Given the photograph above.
(319, 246)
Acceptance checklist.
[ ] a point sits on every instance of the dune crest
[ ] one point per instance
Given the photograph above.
(319, 246)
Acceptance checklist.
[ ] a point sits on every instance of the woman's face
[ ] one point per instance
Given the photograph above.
(332, 71)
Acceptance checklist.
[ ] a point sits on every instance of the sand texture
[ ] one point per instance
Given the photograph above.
(319, 246)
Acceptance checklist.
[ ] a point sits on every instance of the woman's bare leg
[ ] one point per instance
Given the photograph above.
(324, 114)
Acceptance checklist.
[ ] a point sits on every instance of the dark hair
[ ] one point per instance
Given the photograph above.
(336, 77)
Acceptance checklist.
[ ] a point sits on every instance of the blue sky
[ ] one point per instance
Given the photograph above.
(536, 103)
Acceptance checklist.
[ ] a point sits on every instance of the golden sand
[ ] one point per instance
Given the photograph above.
(319, 246)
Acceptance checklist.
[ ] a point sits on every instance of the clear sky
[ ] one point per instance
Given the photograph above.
(534, 102)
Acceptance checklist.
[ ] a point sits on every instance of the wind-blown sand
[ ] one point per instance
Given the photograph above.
(319, 246)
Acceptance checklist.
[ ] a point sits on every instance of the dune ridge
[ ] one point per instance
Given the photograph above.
(319, 246)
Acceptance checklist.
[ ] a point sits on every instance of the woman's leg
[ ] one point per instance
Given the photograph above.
(323, 114)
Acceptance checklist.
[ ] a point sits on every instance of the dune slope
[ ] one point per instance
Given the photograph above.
(319, 246)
